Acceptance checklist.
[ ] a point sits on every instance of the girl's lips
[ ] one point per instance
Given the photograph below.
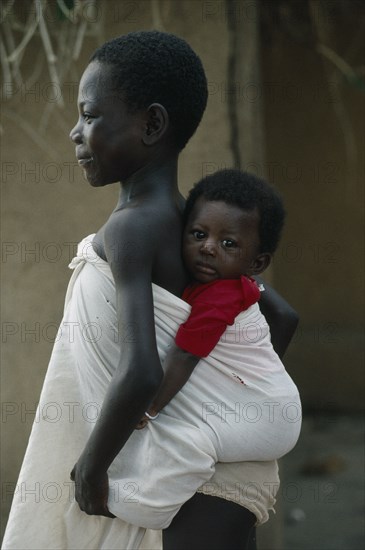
(84, 161)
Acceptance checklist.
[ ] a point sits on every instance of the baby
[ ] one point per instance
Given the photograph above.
(233, 222)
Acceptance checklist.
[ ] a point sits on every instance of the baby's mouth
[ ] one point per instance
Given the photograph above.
(205, 268)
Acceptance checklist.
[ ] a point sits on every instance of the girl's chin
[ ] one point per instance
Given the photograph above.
(95, 182)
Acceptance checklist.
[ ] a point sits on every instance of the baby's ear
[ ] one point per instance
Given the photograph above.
(157, 123)
(260, 263)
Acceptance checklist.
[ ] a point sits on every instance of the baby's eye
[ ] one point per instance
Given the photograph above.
(228, 243)
(199, 235)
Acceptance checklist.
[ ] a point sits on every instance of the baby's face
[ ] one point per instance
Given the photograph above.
(107, 136)
(221, 241)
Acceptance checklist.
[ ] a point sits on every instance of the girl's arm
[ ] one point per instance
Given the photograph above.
(138, 374)
(281, 317)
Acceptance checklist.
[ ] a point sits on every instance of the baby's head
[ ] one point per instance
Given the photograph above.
(150, 67)
(233, 222)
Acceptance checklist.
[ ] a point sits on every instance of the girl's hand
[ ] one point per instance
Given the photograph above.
(91, 493)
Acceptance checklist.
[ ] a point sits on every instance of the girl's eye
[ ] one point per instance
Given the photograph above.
(199, 235)
(228, 243)
(87, 117)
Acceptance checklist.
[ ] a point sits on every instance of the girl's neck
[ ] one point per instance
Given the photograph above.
(154, 179)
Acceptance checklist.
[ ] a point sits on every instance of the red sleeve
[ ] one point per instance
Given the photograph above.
(214, 306)
(201, 332)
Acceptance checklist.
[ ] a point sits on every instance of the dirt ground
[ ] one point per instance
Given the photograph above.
(322, 488)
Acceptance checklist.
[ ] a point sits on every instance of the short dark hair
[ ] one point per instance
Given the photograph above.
(157, 67)
(248, 192)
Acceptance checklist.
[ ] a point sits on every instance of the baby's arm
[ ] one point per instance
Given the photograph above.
(179, 365)
(281, 317)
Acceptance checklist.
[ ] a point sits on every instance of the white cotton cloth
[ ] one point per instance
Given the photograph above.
(239, 404)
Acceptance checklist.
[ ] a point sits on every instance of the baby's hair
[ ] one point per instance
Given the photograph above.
(157, 67)
(248, 192)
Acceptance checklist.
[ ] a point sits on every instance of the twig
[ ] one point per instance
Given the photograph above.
(6, 10)
(10, 43)
(65, 61)
(51, 58)
(338, 61)
(28, 35)
(7, 91)
(79, 40)
(66, 11)
(338, 106)
(156, 16)
(38, 66)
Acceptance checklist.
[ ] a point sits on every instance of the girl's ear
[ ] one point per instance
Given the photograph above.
(260, 263)
(157, 124)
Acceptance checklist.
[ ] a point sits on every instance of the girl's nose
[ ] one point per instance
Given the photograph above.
(75, 135)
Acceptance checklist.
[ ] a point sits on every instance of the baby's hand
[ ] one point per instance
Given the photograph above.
(142, 423)
(150, 415)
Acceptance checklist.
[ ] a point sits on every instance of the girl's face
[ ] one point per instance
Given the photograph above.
(108, 140)
(221, 241)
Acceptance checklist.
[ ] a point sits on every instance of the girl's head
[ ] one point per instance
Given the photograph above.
(233, 222)
(141, 97)
(150, 67)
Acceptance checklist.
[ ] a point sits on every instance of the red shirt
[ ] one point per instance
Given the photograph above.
(214, 306)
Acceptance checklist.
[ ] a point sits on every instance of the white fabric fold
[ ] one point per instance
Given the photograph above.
(223, 413)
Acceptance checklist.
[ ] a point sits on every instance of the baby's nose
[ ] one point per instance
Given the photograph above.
(209, 248)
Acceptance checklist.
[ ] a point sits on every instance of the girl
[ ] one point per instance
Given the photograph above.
(140, 99)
